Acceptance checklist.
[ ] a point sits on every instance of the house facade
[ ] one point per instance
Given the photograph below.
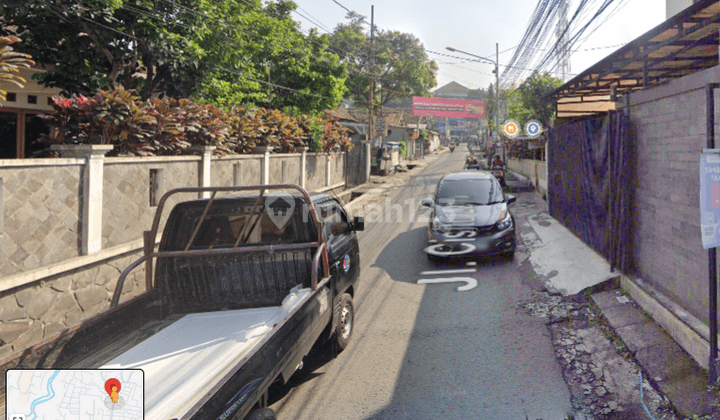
(20, 124)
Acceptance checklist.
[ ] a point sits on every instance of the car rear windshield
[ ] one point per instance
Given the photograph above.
(227, 218)
(469, 191)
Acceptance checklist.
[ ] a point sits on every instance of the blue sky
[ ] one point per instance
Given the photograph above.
(475, 27)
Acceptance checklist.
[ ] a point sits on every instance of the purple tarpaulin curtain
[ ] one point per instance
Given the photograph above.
(589, 190)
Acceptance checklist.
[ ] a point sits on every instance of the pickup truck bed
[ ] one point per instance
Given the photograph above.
(184, 357)
(235, 304)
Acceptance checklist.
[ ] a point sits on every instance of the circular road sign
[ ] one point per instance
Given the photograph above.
(511, 128)
(533, 128)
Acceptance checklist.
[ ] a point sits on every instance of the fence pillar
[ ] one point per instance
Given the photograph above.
(265, 151)
(92, 201)
(205, 168)
(368, 161)
(327, 170)
(303, 164)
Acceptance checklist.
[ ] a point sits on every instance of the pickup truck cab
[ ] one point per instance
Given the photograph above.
(243, 287)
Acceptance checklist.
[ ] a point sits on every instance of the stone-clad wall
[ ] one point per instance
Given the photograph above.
(315, 172)
(337, 168)
(38, 311)
(291, 173)
(46, 285)
(126, 194)
(39, 214)
(223, 170)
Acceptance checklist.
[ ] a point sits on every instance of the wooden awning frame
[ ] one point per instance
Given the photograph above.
(683, 44)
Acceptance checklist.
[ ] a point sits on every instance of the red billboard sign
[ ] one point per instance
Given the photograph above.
(452, 108)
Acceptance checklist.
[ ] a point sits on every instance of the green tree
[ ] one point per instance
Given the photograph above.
(526, 101)
(402, 68)
(272, 64)
(223, 52)
(477, 94)
(142, 45)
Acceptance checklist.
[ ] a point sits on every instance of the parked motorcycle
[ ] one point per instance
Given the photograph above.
(471, 162)
(499, 173)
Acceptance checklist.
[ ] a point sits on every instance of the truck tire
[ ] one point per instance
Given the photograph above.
(346, 322)
(261, 414)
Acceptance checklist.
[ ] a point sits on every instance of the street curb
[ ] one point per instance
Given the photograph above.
(687, 330)
(421, 163)
(525, 180)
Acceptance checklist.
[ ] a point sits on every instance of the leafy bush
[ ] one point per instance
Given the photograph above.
(314, 132)
(335, 138)
(111, 117)
(403, 149)
(170, 126)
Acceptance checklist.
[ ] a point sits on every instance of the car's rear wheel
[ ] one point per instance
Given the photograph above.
(346, 322)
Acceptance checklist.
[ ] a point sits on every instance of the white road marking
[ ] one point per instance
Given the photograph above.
(471, 283)
(440, 272)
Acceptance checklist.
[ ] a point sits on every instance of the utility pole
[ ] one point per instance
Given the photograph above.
(563, 35)
(371, 103)
(497, 93)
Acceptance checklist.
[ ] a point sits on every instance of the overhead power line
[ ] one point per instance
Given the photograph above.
(362, 18)
(318, 22)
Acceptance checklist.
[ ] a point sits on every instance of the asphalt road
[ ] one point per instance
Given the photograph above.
(429, 351)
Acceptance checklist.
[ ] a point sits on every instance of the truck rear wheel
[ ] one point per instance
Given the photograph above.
(261, 414)
(346, 321)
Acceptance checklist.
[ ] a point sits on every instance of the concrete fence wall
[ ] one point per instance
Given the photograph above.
(668, 132)
(535, 170)
(69, 226)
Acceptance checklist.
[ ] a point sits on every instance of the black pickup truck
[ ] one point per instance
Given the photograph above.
(244, 285)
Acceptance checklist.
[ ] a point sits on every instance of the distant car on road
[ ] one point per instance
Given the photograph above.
(470, 217)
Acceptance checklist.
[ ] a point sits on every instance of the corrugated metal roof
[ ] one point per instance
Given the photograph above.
(340, 114)
(359, 114)
(396, 118)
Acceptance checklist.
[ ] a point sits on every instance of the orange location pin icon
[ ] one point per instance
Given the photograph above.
(112, 387)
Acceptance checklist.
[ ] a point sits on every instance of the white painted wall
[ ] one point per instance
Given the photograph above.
(31, 88)
(673, 7)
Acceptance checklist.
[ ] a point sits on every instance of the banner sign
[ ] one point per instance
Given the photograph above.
(457, 122)
(453, 108)
(710, 198)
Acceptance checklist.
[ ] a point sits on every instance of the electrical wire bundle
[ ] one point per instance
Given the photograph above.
(584, 21)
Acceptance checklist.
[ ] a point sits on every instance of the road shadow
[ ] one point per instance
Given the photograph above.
(470, 354)
(320, 354)
(404, 257)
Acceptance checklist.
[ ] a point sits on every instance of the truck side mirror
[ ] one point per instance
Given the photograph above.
(358, 223)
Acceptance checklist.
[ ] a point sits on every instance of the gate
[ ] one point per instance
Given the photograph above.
(589, 187)
(355, 161)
